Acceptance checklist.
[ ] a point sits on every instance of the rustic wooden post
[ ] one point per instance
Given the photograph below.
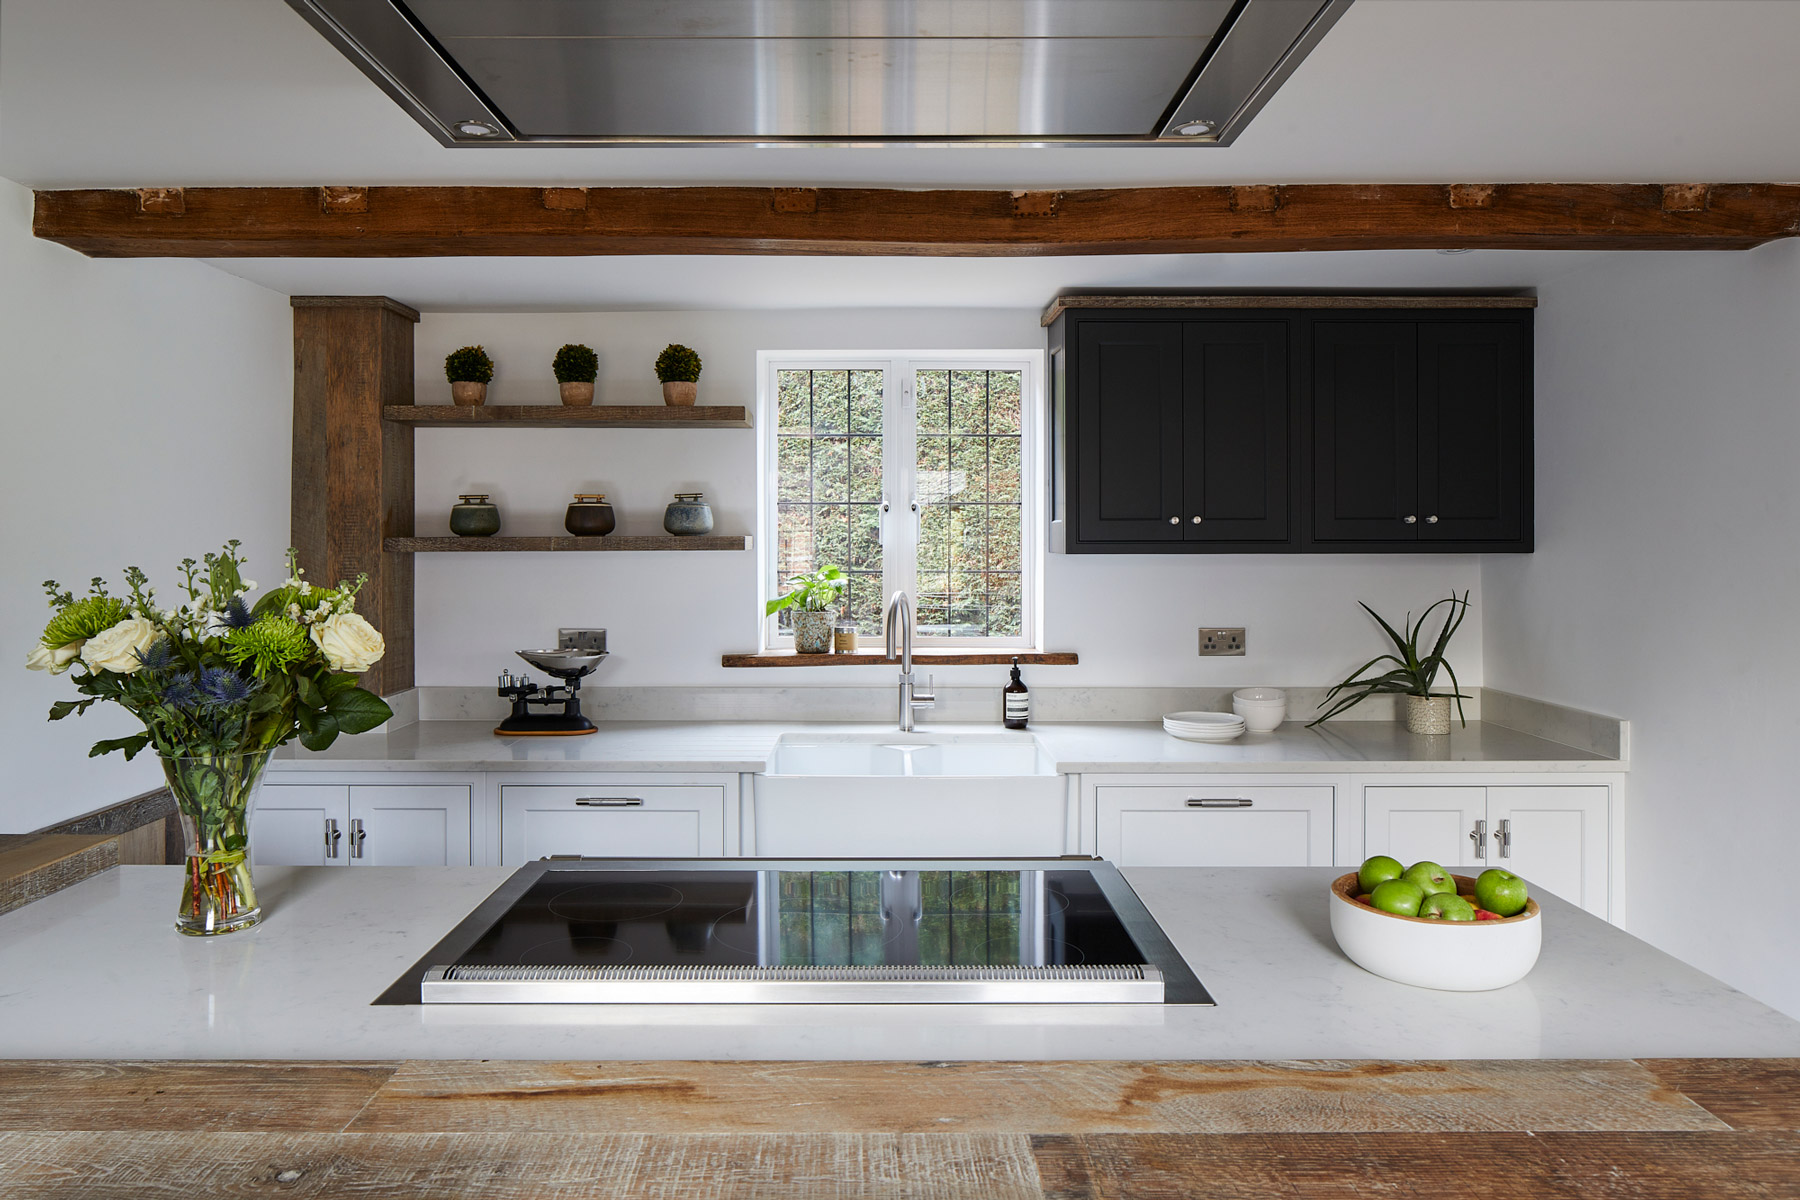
(353, 473)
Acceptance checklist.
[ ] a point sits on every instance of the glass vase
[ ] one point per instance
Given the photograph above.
(215, 794)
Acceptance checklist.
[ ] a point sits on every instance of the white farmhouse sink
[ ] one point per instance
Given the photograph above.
(909, 794)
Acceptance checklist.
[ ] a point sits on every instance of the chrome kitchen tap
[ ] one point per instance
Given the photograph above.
(897, 623)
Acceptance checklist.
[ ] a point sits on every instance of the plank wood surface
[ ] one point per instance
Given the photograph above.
(450, 221)
(210, 1096)
(929, 658)
(571, 416)
(1745, 1093)
(613, 542)
(35, 865)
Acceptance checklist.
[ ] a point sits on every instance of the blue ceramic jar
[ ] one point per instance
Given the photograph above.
(688, 515)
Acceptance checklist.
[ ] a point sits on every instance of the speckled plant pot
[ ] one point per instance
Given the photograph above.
(577, 393)
(812, 632)
(468, 394)
(1428, 714)
(680, 392)
(688, 515)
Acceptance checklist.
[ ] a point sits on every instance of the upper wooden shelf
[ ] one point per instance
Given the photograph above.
(929, 658)
(614, 542)
(569, 416)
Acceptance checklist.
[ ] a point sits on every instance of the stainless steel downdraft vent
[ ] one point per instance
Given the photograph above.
(587, 72)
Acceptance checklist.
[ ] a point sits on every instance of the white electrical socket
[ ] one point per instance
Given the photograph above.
(1221, 642)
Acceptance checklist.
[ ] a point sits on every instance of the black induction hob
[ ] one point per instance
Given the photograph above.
(707, 931)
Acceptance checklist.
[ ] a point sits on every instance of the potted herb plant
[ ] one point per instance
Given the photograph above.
(679, 369)
(575, 367)
(814, 600)
(468, 370)
(1411, 674)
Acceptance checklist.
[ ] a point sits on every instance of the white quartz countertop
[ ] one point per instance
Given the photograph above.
(1370, 746)
(97, 971)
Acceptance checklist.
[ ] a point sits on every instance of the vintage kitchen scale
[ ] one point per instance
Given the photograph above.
(569, 665)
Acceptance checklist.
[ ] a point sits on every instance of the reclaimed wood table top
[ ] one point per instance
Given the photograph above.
(1518, 1130)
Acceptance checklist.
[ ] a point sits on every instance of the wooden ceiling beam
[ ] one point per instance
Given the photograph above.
(404, 222)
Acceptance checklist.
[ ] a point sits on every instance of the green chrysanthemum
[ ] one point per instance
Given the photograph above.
(273, 644)
(83, 619)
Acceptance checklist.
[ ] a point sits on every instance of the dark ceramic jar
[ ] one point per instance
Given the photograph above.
(688, 514)
(473, 516)
(589, 516)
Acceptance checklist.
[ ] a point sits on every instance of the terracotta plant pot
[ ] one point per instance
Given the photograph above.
(1428, 714)
(467, 394)
(812, 632)
(577, 393)
(680, 392)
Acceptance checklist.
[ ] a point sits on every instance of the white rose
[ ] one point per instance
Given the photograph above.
(117, 649)
(349, 643)
(54, 659)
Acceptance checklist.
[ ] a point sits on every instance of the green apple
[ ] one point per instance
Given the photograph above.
(1433, 879)
(1501, 892)
(1447, 906)
(1399, 896)
(1377, 871)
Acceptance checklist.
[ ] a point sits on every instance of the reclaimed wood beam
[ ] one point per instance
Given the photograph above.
(401, 222)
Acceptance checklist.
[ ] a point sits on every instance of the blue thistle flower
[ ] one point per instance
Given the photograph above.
(159, 657)
(180, 691)
(223, 688)
(236, 614)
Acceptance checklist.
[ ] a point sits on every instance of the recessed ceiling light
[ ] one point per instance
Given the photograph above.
(1194, 128)
(475, 129)
(1458, 250)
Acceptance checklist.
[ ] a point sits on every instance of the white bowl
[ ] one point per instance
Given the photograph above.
(1261, 696)
(1451, 956)
(1260, 716)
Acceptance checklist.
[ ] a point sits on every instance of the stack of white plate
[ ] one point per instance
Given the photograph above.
(1204, 726)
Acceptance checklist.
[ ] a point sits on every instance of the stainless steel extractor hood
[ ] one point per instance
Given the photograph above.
(598, 72)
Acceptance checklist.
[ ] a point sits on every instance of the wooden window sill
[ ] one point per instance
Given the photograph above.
(930, 658)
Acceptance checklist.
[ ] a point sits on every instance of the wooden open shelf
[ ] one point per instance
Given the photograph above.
(928, 658)
(560, 416)
(615, 542)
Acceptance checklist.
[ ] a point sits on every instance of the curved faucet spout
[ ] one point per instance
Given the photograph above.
(897, 624)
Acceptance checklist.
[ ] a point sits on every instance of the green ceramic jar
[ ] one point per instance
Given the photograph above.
(473, 516)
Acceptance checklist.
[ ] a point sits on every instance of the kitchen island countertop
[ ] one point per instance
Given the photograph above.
(97, 971)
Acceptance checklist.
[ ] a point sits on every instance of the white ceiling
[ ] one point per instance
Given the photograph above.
(100, 93)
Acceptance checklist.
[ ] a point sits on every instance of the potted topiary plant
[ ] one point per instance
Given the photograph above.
(575, 367)
(679, 369)
(1412, 673)
(814, 600)
(468, 371)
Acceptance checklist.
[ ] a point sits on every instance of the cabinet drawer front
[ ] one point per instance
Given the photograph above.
(611, 820)
(1215, 826)
(287, 827)
(957, 818)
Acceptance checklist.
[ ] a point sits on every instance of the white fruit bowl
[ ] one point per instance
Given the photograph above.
(1451, 956)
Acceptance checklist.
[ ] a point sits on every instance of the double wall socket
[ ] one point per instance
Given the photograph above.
(592, 641)
(1221, 642)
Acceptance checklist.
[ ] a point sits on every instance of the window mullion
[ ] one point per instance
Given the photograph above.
(899, 551)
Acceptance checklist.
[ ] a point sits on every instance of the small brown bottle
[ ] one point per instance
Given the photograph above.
(1016, 699)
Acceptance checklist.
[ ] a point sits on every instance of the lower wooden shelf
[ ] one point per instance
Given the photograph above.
(929, 658)
(614, 542)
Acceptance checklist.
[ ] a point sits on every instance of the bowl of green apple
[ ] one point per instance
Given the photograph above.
(1424, 926)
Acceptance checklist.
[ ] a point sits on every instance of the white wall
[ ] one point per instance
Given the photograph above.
(1133, 619)
(148, 412)
(1665, 581)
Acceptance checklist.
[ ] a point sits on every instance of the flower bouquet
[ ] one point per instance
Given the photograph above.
(219, 682)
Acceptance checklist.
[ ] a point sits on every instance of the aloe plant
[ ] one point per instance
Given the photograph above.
(1412, 673)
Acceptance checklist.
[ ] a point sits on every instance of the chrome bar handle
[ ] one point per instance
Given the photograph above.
(332, 836)
(1503, 835)
(1478, 835)
(609, 802)
(1218, 802)
(928, 697)
(357, 834)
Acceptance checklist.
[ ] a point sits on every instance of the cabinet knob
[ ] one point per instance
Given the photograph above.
(1197, 520)
(1431, 520)
(1174, 520)
(1410, 520)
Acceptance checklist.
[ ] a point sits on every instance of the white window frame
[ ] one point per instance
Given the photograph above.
(900, 524)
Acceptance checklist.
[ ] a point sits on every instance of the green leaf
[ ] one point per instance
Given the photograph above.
(63, 708)
(130, 745)
(331, 685)
(308, 692)
(320, 732)
(357, 711)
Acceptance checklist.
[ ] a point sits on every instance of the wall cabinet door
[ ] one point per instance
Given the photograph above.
(299, 825)
(1423, 823)
(611, 820)
(1364, 441)
(1235, 436)
(1127, 416)
(1556, 837)
(1473, 470)
(416, 825)
(1214, 826)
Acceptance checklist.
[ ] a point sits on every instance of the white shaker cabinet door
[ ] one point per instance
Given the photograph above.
(611, 820)
(408, 825)
(299, 825)
(1215, 826)
(1415, 824)
(1555, 837)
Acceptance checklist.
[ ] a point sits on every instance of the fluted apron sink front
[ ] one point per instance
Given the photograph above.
(911, 793)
